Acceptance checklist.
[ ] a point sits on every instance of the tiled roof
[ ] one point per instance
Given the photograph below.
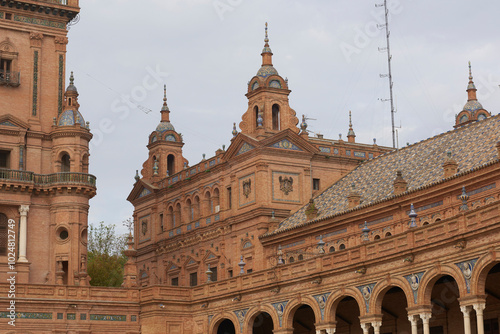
(471, 146)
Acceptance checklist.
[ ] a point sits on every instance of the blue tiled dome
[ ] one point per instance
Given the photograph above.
(266, 71)
(164, 126)
(71, 117)
(473, 106)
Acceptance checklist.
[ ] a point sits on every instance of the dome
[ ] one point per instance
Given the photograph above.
(266, 71)
(71, 88)
(71, 117)
(164, 126)
(473, 106)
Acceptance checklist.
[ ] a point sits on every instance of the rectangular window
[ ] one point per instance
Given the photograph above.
(249, 271)
(230, 273)
(175, 281)
(5, 65)
(173, 219)
(315, 184)
(229, 201)
(214, 274)
(193, 279)
(161, 222)
(4, 159)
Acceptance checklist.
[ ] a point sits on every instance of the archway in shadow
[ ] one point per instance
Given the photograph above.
(226, 327)
(394, 315)
(263, 324)
(492, 289)
(303, 320)
(347, 317)
(446, 315)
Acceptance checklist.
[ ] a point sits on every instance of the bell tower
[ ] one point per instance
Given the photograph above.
(268, 109)
(165, 148)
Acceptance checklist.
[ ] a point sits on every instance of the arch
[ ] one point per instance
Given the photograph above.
(336, 297)
(85, 163)
(432, 276)
(377, 237)
(176, 218)
(481, 270)
(254, 312)
(208, 207)
(196, 207)
(65, 163)
(294, 304)
(216, 199)
(276, 116)
(331, 249)
(189, 210)
(388, 234)
(170, 164)
(342, 246)
(219, 318)
(381, 288)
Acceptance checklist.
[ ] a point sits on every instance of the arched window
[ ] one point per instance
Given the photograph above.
(65, 163)
(377, 237)
(388, 234)
(291, 260)
(176, 218)
(342, 246)
(207, 204)
(276, 117)
(301, 257)
(170, 218)
(171, 164)
(196, 208)
(331, 250)
(190, 210)
(215, 200)
(256, 113)
(3, 234)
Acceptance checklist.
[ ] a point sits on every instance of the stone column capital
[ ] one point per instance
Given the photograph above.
(413, 318)
(479, 307)
(366, 327)
(466, 309)
(24, 209)
(425, 317)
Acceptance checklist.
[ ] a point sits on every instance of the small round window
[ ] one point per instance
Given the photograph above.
(62, 233)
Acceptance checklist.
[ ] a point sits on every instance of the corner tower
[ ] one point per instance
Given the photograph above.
(473, 110)
(165, 148)
(268, 109)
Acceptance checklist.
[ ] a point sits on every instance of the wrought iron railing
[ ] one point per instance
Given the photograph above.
(10, 78)
(48, 179)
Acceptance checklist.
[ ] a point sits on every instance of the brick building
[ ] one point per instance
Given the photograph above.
(281, 232)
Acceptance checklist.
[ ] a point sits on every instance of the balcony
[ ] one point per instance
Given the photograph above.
(9, 78)
(41, 180)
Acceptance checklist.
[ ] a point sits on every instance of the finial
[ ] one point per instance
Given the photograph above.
(165, 93)
(413, 216)
(351, 133)
(350, 121)
(266, 39)
(470, 71)
(137, 177)
(471, 82)
(365, 232)
(71, 79)
(303, 125)
(235, 132)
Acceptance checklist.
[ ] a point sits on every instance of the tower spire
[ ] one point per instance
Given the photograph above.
(471, 88)
(267, 54)
(165, 112)
(350, 135)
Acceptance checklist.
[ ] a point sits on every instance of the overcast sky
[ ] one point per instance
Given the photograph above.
(205, 51)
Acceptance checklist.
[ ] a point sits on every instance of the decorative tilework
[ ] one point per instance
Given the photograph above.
(192, 171)
(370, 155)
(266, 71)
(255, 85)
(429, 206)
(332, 233)
(71, 316)
(480, 190)
(189, 227)
(210, 319)
(175, 178)
(280, 309)
(211, 163)
(35, 82)
(217, 217)
(245, 148)
(60, 316)
(375, 222)
(60, 88)
(133, 318)
(366, 291)
(21, 157)
(197, 224)
(144, 192)
(414, 280)
(70, 117)
(240, 314)
(7, 123)
(359, 154)
(467, 267)
(1, 15)
(286, 144)
(170, 138)
(335, 151)
(178, 231)
(274, 84)
(29, 315)
(83, 316)
(473, 106)
(40, 22)
(348, 152)
(293, 244)
(321, 299)
(106, 317)
(208, 221)
(171, 234)
(324, 149)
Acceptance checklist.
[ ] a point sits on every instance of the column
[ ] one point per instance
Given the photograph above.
(425, 319)
(376, 326)
(479, 307)
(466, 311)
(23, 231)
(414, 323)
(365, 327)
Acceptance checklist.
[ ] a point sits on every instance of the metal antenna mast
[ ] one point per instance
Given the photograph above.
(389, 75)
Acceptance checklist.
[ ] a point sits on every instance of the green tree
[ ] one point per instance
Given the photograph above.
(105, 259)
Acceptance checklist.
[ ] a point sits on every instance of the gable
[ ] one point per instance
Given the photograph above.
(141, 189)
(10, 120)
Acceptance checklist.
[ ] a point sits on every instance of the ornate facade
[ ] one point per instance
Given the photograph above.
(281, 232)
